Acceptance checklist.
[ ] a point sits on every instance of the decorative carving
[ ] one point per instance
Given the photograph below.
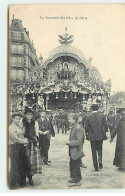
(66, 38)
(63, 71)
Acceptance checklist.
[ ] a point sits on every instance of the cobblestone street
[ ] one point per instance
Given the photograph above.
(56, 175)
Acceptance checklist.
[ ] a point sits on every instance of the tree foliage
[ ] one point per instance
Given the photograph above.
(118, 97)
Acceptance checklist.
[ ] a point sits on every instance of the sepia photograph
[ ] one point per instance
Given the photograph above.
(66, 96)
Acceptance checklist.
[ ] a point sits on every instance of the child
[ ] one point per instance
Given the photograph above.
(75, 144)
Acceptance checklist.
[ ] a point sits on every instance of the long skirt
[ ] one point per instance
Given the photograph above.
(17, 174)
(36, 161)
(33, 163)
(119, 160)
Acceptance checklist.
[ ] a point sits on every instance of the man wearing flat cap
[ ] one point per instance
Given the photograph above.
(95, 128)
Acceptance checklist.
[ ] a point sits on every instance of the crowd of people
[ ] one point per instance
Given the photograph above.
(30, 134)
(29, 142)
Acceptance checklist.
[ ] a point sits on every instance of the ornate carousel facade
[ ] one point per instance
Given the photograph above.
(65, 80)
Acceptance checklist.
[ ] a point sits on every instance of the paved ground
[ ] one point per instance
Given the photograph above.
(56, 176)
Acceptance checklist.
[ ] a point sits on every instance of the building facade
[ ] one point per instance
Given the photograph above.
(22, 62)
(22, 54)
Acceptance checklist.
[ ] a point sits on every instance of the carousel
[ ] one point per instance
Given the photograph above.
(65, 80)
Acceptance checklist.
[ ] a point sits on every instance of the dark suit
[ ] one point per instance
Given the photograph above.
(96, 127)
(62, 122)
(44, 140)
(76, 151)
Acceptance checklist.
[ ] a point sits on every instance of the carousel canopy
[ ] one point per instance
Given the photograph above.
(66, 50)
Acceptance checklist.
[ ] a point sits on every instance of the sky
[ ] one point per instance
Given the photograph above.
(98, 29)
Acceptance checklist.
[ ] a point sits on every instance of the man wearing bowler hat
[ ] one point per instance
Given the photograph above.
(95, 128)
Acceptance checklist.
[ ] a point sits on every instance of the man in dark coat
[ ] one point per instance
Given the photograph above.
(52, 131)
(62, 122)
(95, 128)
(44, 130)
(75, 144)
(49, 117)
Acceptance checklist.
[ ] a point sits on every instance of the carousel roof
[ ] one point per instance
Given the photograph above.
(66, 50)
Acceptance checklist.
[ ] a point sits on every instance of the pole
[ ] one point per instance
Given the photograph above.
(46, 103)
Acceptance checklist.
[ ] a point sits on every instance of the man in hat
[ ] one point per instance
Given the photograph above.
(75, 144)
(49, 116)
(95, 128)
(30, 134)
(43, 127)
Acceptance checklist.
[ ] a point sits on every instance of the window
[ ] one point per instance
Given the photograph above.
(20, 74)
(17, 61)
(20, 49)
(17, 35)
(14, 48)
(17, 48)
(13, 74)
(13, 61)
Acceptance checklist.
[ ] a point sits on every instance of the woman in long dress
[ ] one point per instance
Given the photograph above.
(33, 163)
(119, 160)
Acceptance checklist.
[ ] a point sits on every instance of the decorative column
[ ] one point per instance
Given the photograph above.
(65, 95)
(47, 99)
(84, 102)
(56, 96)
(75, 96)
(41, 101)
(24, 101)
(89, 102)
(17, 101)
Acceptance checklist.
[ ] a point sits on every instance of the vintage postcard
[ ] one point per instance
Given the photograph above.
(66, 90)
